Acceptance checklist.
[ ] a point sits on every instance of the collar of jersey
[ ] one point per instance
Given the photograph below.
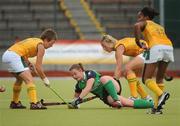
(84, 76)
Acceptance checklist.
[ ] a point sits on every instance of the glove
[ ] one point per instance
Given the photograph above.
(76, 101)
(46, 82)
(2, 88)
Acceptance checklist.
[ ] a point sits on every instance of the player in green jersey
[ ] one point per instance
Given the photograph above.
(105, 87)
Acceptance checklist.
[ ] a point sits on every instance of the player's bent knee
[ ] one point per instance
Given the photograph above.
(105, 79)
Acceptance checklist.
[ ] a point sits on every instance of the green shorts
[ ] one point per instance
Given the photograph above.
(103, 94)
(99, 90)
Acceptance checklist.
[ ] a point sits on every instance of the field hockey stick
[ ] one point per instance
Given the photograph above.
(52, 103)
(58, 95)
(168, 78)
(63, 103)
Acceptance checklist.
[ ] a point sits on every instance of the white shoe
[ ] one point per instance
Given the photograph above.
(148, 98)
(116, 104)
(154, 111)
(163, 98)
(133, 98)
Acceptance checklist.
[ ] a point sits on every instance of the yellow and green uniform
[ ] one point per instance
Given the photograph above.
(26, 48)
(156, 38)
(131, 49)
(154, 34)
(130, 46)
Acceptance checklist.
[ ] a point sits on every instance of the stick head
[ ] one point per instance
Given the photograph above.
(70, 106)
(168, 78)
(42, 101)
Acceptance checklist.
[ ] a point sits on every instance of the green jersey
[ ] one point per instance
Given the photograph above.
(97, 88)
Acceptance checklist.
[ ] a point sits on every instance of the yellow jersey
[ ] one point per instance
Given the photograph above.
(26, 48)
(154, 34)
(131, 48)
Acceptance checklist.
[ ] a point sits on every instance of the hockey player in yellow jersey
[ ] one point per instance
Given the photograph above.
(127, 46)
(16, 58)
(157, 57)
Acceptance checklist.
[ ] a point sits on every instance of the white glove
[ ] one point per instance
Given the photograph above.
(2, 88)
(70, 106)
(46, 82)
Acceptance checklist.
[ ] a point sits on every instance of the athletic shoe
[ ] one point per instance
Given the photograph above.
(133, 98)
(37, 106)
(148, 98)
(18, 105)
(155, 111)
(162, 99)
(116, 104)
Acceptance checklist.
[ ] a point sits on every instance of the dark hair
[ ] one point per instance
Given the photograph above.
(150, 12)
(48, 34)
(78, 66)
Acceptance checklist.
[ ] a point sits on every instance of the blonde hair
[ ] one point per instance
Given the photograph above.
(108, 39)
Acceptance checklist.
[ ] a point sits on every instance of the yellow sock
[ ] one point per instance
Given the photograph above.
(31, 90)
(161, 86)
(132, 84)
(151, 84)
(141, 90)
(16, 92)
